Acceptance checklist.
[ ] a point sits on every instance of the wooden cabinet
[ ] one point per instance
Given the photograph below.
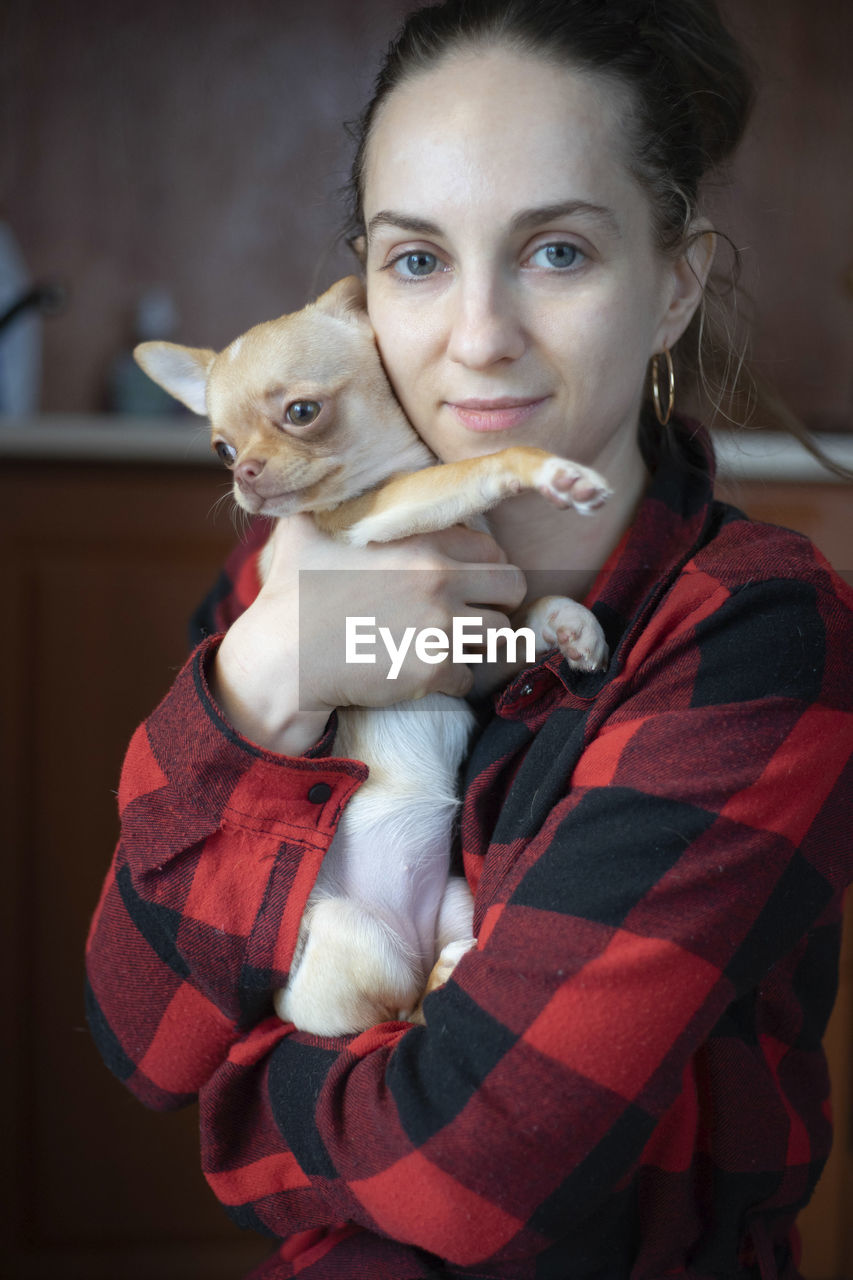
(827, 1224)
(103, 564)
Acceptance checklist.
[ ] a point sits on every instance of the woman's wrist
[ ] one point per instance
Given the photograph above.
(261, 700)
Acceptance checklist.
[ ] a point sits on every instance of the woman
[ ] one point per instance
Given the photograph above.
(625, 1077)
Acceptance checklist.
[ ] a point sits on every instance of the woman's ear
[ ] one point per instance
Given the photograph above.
(689, 274)
(358, 245)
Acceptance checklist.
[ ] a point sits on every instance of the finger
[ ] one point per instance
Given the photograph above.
(288, 528)
(500, 587)
(469, 546)
(488, 636)
(488, 620)
(290, 535)
(454, 678)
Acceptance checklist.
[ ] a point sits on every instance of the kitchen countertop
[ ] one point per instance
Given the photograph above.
(183, 441)
(78, 437)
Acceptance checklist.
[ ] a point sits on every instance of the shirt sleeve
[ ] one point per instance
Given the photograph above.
(235, 588)
(198, 917)
(694, 845)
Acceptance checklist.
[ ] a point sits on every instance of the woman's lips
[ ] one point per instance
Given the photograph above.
(494, 415)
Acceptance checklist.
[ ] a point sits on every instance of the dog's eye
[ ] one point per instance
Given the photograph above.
(225, 452)
(301, 412)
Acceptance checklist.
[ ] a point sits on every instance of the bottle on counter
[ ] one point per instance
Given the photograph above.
(129, 389)
(20, 339)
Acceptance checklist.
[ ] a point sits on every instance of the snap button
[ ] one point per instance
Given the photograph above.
(526, 690)
(319, 793)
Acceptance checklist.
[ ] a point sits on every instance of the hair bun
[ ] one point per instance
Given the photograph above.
(700, 57)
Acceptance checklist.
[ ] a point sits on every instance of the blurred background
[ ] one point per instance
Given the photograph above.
(173, 169)
(198, 149)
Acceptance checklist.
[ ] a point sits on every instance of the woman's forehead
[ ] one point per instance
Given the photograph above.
(502, 126)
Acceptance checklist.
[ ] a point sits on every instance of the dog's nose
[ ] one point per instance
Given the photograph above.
(246, 473)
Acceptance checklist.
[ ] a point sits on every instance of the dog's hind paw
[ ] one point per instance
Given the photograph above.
(447, 961)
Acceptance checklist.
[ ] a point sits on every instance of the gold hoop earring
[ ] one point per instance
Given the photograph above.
(662, 416)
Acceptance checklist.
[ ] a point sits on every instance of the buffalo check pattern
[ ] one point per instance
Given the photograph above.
(625, 1077)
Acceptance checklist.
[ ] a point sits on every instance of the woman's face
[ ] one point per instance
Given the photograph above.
(511, 277)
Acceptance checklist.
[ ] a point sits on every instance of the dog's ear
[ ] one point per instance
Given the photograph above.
(346, 299)
(182, 371)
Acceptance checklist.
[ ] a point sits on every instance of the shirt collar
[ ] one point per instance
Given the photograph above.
(669, 527)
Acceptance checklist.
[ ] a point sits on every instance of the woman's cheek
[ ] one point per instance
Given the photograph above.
(408, 347)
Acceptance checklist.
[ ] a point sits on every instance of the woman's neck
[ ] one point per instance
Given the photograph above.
(561, 552)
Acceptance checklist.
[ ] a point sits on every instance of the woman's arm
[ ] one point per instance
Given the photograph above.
(222, 835)
(219, 844)
(282, 667)
(694, 849)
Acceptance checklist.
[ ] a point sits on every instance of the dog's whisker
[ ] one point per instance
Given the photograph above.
(213, 511)
(243, 523)
(237, 519)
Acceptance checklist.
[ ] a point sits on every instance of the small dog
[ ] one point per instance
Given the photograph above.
(303, 415)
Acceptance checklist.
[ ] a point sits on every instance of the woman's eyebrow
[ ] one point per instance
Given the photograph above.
(404, 222)
(566, 209)
(522, 221)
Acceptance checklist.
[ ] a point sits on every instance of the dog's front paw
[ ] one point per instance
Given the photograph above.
(578, 635)
(568, 484)
(561, 621)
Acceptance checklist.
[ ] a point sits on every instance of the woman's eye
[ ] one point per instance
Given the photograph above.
(225, 452)
(415, 265)
(559, 255)
(301, 412)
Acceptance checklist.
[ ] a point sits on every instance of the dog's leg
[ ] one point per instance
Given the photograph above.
(354, 972)
(453, 935)
(455, 914)
(437, 497)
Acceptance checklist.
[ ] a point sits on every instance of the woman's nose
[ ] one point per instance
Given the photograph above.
(486, 327)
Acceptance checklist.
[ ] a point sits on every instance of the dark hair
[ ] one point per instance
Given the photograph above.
(691, 94)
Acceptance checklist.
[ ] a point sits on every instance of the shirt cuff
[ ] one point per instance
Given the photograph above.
(205, 773)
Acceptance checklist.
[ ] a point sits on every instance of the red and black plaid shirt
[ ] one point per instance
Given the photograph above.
(625, 1077)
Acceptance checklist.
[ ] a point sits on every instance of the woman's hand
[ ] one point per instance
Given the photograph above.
(282, 667)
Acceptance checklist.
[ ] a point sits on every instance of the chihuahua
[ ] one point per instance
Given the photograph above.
(303, 415)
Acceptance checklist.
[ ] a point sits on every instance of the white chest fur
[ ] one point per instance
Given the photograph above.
(383, 906)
